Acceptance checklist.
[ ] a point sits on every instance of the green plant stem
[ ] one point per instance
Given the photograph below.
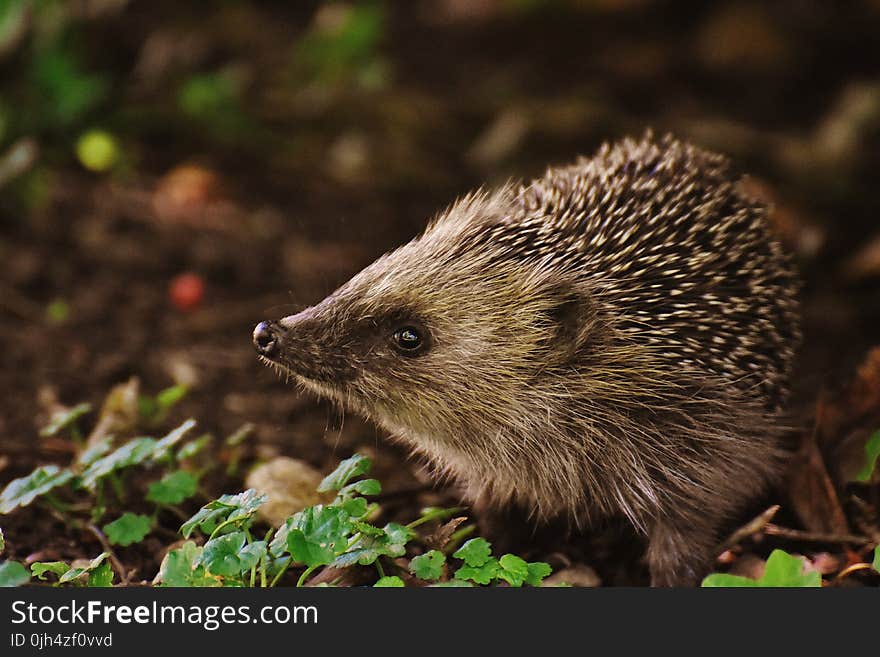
(380, 569)
(56, 504)
(437, 514)
(265, 558)
(222, 525)
(280, 574)
(302, 578)
(100, 503)
(456, 538)
(118, 488)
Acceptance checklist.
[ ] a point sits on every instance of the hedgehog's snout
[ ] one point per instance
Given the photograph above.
(266, 339)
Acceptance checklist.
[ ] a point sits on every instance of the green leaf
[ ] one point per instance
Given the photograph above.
(428, 566)
(172, 438)
(333, 53)
(127, 529)
(15, 19)
(169, 397)
(101, 576)
(66, 93)
(474, 552)
(872, 453)
(180, 568)
(781, 570)
(23, 491)
(513, 569)
(538, 570)
(363, 487)
(93, 453)
(63, 419)
(157, 408)
(133, 452)
(233, 509)
(39, 569)
(278, 545)
(173, 488)
(318, 534)
(76, 573)
(241, 434)
(724, 580)
(209, 95)
(435, 513)
(13, 573)
(389, 582)
(390, 541)
(352, 467)
(453, 584)
(356, 507)
(482, 574)
(398, 536)
(193, 447)
(230, 555)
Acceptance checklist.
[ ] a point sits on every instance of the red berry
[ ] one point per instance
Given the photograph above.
(186, 291)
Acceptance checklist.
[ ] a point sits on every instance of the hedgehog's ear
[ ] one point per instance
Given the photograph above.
(573, 319)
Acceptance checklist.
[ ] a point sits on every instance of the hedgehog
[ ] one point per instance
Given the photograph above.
(613, 339)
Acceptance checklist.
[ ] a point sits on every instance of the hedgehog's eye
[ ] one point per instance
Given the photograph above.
(408, 339)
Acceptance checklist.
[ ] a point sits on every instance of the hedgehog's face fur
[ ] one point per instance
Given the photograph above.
(434, 350)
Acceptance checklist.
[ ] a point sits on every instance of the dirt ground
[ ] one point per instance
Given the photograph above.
(326, 177)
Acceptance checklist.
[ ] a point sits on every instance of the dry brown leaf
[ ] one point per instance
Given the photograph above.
(857, 405)
(439, 538)
(812, 493)
(290, 485)
(119, 414)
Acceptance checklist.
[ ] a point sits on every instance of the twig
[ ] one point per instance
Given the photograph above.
(752, 527)
(114, 561)
(851, 569)
(867, 523)
(814, 537)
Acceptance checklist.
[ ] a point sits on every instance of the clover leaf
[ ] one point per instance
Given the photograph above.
(232, 509)
(513, 569)
(173, 488)
(230, 555)
(428, 566)
(346, 470)
(318, 534)
(181, 567)
(128, 528)
(24, 490)
(389, 582)
(474, 552)
(64, 418)
(12, 573)
(482, 574)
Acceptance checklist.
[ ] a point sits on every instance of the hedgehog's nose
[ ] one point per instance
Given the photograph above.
(265, 340)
